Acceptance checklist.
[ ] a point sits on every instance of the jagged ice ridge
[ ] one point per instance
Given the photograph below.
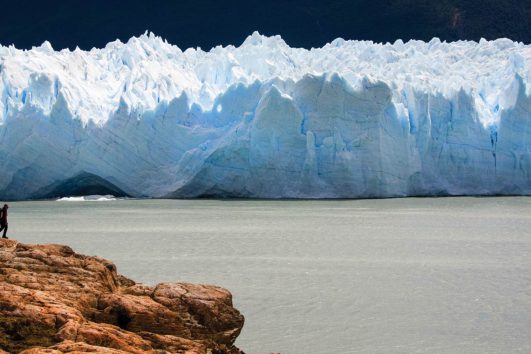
(351, 119)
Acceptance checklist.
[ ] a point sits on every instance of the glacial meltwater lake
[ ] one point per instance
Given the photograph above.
(414, 275)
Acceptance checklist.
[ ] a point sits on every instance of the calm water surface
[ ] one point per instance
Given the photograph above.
(448, 275)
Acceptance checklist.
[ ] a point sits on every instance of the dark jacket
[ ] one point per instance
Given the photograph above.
(3, 216)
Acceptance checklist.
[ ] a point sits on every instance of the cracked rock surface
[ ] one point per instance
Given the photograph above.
(53, 300)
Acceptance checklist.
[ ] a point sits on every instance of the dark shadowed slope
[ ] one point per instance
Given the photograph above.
(308, 23)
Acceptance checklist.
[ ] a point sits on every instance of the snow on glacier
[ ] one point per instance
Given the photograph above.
(350, 119)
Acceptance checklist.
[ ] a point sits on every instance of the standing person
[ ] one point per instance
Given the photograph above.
(3, 220)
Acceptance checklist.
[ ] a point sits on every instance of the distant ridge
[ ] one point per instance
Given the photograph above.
(308, 23)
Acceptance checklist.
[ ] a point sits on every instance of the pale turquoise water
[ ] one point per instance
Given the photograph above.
(448, 275)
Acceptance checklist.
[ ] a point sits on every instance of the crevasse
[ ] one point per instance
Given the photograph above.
(351, 119)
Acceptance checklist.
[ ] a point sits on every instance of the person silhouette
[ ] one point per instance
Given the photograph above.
(3, 220)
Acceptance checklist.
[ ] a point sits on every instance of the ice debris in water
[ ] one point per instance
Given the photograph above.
(88, 198)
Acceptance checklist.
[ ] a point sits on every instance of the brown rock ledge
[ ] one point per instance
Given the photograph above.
(53, 300)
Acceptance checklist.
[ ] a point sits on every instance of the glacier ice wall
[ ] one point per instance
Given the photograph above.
(351, 119)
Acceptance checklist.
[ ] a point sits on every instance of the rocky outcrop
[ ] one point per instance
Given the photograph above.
(53, 300)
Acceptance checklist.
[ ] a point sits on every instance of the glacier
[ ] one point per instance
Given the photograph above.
(353, 119)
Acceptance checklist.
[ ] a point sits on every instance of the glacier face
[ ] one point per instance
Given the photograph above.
(351, 119)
